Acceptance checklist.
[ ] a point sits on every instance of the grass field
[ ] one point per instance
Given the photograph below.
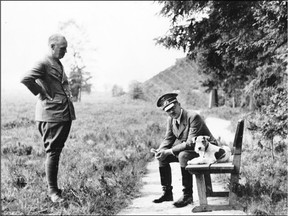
(100, 167)
(106, 155)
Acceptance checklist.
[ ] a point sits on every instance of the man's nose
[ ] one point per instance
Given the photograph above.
(170, 110)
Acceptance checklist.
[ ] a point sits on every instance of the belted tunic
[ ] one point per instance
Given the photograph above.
(47, 77)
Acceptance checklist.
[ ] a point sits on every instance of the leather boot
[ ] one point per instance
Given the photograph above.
(167, 195)
(187, 183)
(166, 180)
(52, 166)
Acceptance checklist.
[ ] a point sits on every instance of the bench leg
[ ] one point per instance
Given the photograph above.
(232, 194)
(201, 187)
(208, 183)
(202, 194)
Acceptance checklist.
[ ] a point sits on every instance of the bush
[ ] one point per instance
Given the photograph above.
(117, 91)
(265, 158)
(136, 90)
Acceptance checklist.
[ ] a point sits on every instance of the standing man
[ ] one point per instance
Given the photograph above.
(178, 146)
(54, 108)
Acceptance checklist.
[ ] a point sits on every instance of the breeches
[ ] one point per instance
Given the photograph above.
(54, 135)
(183, 157)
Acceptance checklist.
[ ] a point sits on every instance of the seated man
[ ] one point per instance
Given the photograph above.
(177, 146)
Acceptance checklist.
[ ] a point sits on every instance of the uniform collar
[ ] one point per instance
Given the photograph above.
(179, 118)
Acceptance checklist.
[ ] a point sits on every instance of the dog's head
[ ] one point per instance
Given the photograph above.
(201, 143)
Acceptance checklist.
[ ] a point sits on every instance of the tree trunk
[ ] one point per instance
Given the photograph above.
(251, 102)
(233, 102)
(213, 98)
(79, 98)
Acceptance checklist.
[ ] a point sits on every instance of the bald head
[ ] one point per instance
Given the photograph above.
(57, 44)
(55, 38)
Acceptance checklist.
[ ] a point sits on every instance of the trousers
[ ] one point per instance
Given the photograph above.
(54, 136)
(165, 171)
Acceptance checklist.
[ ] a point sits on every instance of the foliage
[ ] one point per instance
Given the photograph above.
(117, 91)
(78, 81)
(263, 179)
(271, 100)
(77, 43)
(136, 90)
(229, 40)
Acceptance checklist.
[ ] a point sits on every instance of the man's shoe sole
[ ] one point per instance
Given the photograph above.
(160, 201)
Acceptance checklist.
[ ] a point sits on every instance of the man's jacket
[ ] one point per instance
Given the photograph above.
(49, 80)
(191, 125)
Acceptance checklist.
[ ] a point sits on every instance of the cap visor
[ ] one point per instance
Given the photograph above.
(169, 107)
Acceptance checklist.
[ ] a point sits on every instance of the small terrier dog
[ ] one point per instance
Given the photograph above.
(209, 153)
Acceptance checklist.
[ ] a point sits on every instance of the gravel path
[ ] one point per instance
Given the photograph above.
(151, 189)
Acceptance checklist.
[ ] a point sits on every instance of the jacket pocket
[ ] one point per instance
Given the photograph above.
(57, 103)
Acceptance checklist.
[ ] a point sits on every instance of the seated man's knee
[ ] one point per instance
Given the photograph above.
(185, 156)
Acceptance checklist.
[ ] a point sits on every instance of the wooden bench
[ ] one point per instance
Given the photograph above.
(203, 178)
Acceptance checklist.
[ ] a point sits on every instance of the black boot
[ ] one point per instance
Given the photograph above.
(187, 183)
(166, 180)
(167, 195)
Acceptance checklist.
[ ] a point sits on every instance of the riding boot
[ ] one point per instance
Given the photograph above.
(52, 163)
(166, 180)
(187, 184)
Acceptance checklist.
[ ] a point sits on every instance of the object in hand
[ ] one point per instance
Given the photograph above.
(153, 151)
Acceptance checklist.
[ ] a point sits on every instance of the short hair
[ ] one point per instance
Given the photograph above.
(55, 38)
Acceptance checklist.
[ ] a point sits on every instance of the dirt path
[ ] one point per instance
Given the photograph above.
(151, 189)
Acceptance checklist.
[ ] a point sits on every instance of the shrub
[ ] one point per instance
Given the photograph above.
(136, 90)
(18, 149)
(117, 91)
(265, 157)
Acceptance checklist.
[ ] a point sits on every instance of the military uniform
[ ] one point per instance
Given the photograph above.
(54, 111)
(179, 139)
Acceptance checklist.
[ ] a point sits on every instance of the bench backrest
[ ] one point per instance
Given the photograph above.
(237, 145)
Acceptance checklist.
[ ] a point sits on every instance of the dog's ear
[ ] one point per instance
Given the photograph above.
(194, 139)
(207, 138)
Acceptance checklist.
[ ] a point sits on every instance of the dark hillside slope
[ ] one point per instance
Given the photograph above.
(183, 77)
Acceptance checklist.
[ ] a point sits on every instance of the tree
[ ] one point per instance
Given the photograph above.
(230, 39)
(117, 91)
(136, 90)
(79, 81)
(79, 45)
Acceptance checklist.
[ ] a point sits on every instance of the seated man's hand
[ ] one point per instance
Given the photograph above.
(163, 153)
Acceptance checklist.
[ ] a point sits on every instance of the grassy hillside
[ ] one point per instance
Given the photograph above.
(184, 77)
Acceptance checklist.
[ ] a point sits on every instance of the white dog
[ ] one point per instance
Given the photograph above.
(209, 153)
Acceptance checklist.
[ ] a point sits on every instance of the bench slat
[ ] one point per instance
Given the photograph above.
(213, 168)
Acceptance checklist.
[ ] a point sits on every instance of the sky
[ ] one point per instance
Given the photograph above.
(121, 32)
